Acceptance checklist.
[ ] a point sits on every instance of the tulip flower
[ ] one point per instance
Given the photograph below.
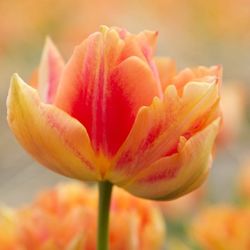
(64, 218)
(222, 228)
(117, 115)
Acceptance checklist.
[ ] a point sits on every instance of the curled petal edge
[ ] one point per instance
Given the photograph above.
(173, 176)
(158, 127)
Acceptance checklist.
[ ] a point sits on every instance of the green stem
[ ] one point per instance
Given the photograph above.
(105, 192)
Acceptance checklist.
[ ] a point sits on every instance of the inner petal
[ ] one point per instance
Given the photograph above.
(104, 94)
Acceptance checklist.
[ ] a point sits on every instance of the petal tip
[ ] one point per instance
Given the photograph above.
(14, 78)
(48, 39)
(16, 86)
(103, 28)
(49, 44)
(15, 83)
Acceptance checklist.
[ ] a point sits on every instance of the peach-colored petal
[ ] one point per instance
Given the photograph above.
(49, 72)
(141, 45)
(158, 128)
(167, 70)
(103, 96)
(200, 73)
(55, 139)
(176, 175)
(130, 91)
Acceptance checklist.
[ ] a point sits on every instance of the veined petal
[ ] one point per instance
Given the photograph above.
(158, 128)
(167, 70)
(50, 135)
(103, 93)
(176, 175)
(49, 72)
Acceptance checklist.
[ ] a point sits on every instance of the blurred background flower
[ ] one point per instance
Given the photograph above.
(9, 230)
(222, 228)
(233, 104)
(65, 218)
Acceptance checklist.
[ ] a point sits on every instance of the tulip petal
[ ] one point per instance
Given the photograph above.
(200, 73)
(49, 72)
(103, 97)
(167, 70)
(130, 91)
(173, 176)
(141, 45)
(158, 128)
(50, 135)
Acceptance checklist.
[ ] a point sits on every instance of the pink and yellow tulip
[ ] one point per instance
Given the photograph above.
(115, 113)
(65, 218)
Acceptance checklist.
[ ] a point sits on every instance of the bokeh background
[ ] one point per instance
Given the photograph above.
(193, 32)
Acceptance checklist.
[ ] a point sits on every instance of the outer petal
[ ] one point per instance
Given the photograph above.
(167, 70)
(49, 72)
(51, 136)
(173, 176)
(105, 95)
(158, 128)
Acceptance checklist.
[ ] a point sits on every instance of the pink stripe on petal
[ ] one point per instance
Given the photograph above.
(176, 175)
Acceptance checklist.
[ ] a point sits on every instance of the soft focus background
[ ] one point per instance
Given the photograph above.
(193, 32)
